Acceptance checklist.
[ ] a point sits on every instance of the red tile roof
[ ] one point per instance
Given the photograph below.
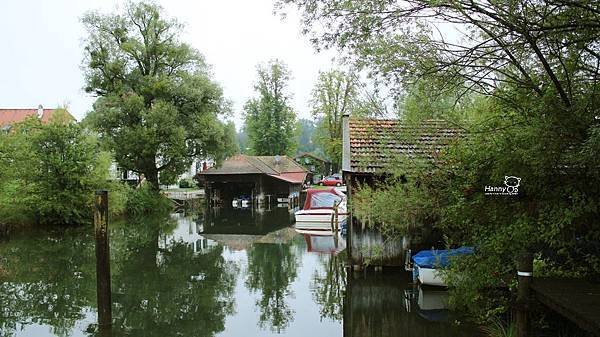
(13, 116)
(291, 177)
(376, 143)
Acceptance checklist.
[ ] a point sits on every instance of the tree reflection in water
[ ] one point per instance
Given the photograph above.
(50, 280)
(171, 291)
(328, 286)
(271, 270)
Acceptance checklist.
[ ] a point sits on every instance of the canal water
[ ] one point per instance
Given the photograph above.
(222, 272)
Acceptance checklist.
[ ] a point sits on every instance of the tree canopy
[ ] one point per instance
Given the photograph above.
(158, 107)
(270, 122)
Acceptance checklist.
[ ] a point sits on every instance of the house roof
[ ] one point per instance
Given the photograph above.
(13, 116)
(280, 167)
(291, 177)
(372, 145)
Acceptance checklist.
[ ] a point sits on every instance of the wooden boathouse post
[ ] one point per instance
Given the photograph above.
(103, 290)
(524, 277)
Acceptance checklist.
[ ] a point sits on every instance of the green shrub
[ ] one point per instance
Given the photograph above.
(185, 183)
(145, 200)
(49, 173)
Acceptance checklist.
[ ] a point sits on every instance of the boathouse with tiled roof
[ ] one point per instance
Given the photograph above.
(372, 149)
(262, 179)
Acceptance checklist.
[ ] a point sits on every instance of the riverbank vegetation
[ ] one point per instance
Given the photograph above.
(520, 80)
(49, 173)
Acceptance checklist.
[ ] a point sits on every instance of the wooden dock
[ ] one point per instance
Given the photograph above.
(183, 199)
(576, 300)
(184, 195)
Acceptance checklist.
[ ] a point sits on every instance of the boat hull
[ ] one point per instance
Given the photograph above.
(429, 276)
(318, 216)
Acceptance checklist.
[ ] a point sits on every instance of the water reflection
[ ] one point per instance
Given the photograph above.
(49, 281)
(385, 304)
(328, 286)
(173, 290)
(222, 272)
(271, 270)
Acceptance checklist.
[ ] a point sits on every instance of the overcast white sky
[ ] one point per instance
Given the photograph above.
(42, 48)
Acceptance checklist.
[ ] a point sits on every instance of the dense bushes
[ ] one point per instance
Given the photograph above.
(48, 174)
(186, 183)
(145, 200)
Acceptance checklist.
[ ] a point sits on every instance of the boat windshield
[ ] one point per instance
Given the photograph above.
(324, 200)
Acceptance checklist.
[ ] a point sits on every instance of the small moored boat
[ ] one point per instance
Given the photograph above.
(426, 264)
(319, 209)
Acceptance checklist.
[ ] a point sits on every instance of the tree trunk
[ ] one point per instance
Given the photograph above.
(152, 178)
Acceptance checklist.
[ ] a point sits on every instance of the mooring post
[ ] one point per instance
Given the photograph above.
(334, 219)
(337, 219)
(524, 276)
(102, 260)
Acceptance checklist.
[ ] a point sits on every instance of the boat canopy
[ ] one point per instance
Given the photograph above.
(320, 199)
(438, 258)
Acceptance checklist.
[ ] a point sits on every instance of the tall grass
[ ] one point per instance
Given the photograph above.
(498, 328)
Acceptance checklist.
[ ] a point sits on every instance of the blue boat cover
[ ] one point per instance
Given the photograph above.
(438, 258)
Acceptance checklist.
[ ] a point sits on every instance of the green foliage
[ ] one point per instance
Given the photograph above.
(50, 279)
(398, 202)
(334, 95)
(158, 105)
(51, 173)
(145, 200)
(185, 183)
(272, 268)
(497, 328)
(269, 121)
(306, 129)
(242, 139)
(525, 93)
(329, 286)
(230, 141)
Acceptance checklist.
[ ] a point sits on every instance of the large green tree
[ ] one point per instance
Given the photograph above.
(157, 106)
(269, 120)
(334, 95)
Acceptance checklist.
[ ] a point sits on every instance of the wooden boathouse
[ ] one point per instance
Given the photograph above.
(372, 148)
(261, 179)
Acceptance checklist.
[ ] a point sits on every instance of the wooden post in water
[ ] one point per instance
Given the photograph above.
(102, 260)
(524, 276)
(334, 219)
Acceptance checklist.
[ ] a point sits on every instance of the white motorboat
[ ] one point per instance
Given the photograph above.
(320, 208)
